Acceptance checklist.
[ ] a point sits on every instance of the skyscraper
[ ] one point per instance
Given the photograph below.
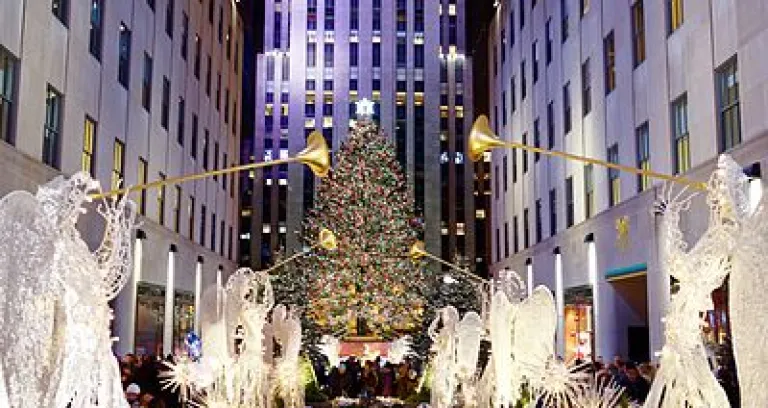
(131, 92)
(320, 58)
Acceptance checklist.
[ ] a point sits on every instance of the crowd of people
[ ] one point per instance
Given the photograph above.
(140, 376)
(367, 380)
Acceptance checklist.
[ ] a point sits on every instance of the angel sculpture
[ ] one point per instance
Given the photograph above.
(469, 333)
(444, 342)
(685, 379)
(54, 321)
(289, 386)
(331, 348)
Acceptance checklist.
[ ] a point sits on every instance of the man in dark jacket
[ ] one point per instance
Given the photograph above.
(636, 387)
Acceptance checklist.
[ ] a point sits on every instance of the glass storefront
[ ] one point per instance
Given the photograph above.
(183, 319)
(578, 327)
(150, 313)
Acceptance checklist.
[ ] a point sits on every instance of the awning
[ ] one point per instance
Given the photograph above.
(625, 272)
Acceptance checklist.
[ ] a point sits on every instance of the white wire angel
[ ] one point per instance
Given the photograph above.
(331, 348)
(469, 334)
(289, 384)
(684, 377)
(399, 350)
(54, 328)
(444, 343)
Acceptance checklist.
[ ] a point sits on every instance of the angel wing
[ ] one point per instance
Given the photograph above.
(535, 328)
(749, 306)
(213, 326)
(469, 332)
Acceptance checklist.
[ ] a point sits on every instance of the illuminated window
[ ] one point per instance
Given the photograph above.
(680, 134)
(118, 164)
(143, 171)
(177, 209)
(161, 202)
(89, 140)
(675, 16)
(614, 179)
(643, 156)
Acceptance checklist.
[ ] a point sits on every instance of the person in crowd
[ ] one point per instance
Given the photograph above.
(132, 395)
(647, 372)
(387, 383)
(635, 386)
(335, 381)
(403, 389)
(370, 381)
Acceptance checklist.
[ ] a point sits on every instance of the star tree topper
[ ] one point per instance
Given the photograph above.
(365, 108)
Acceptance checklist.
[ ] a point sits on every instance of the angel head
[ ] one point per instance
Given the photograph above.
(61, 200)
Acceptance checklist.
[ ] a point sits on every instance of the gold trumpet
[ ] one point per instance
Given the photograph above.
(326, 240)
(316, 156)
(418, 251)
(482, 139)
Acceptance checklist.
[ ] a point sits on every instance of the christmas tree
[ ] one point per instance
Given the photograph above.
(369, 281)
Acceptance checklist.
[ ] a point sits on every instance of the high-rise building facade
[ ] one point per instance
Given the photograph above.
(323, 56)
(662, 85)
(132, 92)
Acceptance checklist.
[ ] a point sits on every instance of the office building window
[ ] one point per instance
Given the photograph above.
(728, 105)
(198, 51)
(206, 140)
(523, 91)
(354, 15)
(503, 108)
(563, 20)
(505, 177)
(515, 235)
(614, 179)
(151, 4)
(328, 56)
(638, 33)
(548, 33)
(551, 125)
(203, 223)
(215, 158)
(521, 11)
(143, 173)
(524, 152)
(220, 29)
(514, 166)
(95, 32)
(169, 18)
(177, 209)
(526, 233)
(512, 94)
(213, 232)
(609, 47)
(537, 215)
(193, 141)
(353, 54)
(161, 202)
(224, 177)
(184, 35)
(418, 55)
(221, 238)
(218, 91)
(377, 54)
(402, 53)
(165, 108)
(311, 15)
(180, 124)
(60, 9)
(643, 144)
(569, 203)
(675, 15)
(586, 88)
(536, 139)
(89, 144)
(511, 27)
(498, 245)
(54, 103)
(589, 191)
(682, 142)
(277, 27)
(124, 62)
(535, 57)
(377, 15)
(567, 107)
(506, 240)
(208, 77)
(226, 105)
(7, 94)
(118, 164)
(146, 83)
(228, 43)
(552, 212)
(584, 7)
(495, 179)
(191, 215)
(329, 11)
(311, 54)
(401, 15)
(418, 15)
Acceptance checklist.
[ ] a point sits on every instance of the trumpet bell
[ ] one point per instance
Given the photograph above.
(327, 240)
(417, 251)
(481, 139)
(316, 155)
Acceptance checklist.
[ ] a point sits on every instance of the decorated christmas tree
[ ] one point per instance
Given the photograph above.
(369, 285)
